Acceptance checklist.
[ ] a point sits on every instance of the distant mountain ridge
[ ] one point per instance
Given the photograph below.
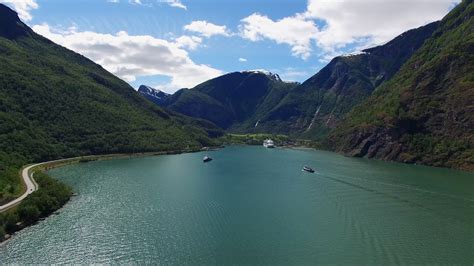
(308, 110)
(231, 99)
(366, 104)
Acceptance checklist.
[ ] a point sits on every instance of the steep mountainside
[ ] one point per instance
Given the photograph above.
(317, 105)
(231, 99)
(425, 113)
(55, 103)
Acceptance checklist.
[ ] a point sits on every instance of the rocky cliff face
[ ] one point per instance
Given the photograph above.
(425, 113)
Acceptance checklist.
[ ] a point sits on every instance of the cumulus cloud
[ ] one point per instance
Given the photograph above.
(188, 42)
(206, 29)
(22, 7)
(130, 57)
(372, 21)
(295, 31)
(242, 59)
(333, 25)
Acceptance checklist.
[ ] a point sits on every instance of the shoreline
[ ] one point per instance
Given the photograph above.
(91, 158)
(44, 166)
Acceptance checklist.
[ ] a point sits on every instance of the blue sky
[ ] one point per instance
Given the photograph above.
(171, 44)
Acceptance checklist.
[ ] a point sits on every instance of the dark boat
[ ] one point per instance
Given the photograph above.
(206, 159)
(308, 169)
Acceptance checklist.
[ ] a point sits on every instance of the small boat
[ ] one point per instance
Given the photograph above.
(206, 159)
(268, 143)
(308, 169)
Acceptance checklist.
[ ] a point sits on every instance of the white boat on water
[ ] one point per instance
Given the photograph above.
(206, 159)
(268, 143)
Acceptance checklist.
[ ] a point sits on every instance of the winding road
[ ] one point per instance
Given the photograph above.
(31, 187)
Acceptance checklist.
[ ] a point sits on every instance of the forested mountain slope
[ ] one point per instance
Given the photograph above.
(425, 113)
(231, 99)
(55, 103)
(317, 105)
(257, 102)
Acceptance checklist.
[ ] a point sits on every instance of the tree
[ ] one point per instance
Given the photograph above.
(28, 213)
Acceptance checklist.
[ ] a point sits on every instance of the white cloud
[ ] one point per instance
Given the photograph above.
(242, 59)
(371, 22)
(297, 31)
(172, 3)
(206, 29)
(189, 42)
(359, 23)
(130, 57)
(175, 3)
(22, 7)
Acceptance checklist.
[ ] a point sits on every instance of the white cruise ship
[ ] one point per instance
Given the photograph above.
(268, 143)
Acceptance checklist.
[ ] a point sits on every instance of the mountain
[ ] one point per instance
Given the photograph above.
(55, 103)
(425, 113)
(231, 99)
(318, 104)
(154, 95)
(259, 102)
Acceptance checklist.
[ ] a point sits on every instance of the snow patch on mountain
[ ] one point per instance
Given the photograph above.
(155, 95)
(271, 75)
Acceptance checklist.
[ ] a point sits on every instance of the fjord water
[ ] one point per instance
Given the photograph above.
(253, 205)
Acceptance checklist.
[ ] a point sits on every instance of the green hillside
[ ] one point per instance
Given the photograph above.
(425, 113)
(312, 109)
(235, 101)
(55, 103)
(258, 102)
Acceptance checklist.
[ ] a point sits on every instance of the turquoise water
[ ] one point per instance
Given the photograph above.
(253, 205)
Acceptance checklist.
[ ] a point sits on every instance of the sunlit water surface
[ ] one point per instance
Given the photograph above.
(253, 205)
